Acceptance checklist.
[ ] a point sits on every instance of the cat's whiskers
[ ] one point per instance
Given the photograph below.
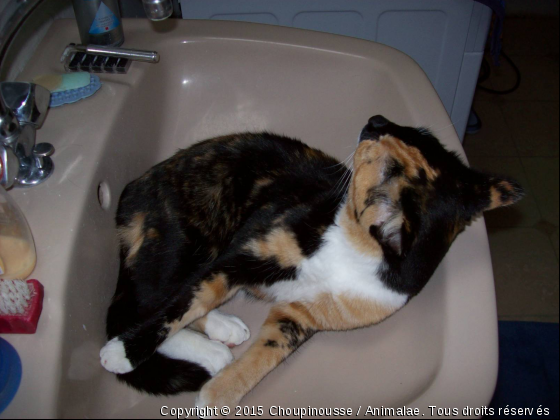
(344, 164)
(343, 183)
(339, 186)
(336, 165)
(349, 161)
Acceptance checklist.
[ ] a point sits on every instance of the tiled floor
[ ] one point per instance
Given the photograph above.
(520, 137)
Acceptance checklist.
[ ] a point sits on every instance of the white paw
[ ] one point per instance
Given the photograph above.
(216, 357)
(113, 357)
(228, 329)
(197, 348)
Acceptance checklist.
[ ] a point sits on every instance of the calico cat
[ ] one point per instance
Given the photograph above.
(331, 248)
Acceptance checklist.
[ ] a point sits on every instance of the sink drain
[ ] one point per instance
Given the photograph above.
(104, 195)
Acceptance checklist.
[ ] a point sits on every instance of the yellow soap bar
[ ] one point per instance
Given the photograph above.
(62, 82)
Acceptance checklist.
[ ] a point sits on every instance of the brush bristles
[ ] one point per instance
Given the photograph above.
(14, 297)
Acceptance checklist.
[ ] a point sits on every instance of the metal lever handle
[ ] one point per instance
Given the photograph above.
(42, 151)
(134, 55)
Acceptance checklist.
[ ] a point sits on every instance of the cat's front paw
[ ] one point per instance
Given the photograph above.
(113, 357)
(212, 396)
(216, 356)
(228, 329)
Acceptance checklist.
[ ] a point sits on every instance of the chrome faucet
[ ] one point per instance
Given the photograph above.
(25, 163)
(23, 106)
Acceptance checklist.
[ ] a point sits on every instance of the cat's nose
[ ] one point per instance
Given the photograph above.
(376, 126)
(378, 121)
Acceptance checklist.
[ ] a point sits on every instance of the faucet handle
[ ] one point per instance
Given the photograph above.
(42, 151)
(36, 168)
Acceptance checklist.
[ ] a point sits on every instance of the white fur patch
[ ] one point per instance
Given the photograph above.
(196, 348)
(337, 268)
(228, 329)
(113, 357)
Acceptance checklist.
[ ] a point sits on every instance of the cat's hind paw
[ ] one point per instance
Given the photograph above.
(197, 348)
(113, 357)
(217, 356)
(228, 329)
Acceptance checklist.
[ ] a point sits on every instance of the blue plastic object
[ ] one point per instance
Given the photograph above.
(10, 374)
(74, 95)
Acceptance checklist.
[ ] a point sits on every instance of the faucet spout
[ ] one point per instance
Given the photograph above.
(158, 9)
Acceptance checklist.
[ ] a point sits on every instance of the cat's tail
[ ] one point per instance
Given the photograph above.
(160, 375)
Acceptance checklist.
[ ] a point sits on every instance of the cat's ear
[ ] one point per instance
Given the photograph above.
(494, 192)
(504, 192)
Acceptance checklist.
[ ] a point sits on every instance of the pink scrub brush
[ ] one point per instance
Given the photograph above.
(21, 303)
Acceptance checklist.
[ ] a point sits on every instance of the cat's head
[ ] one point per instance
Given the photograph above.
(409, 197)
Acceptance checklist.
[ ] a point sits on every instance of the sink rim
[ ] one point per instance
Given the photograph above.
(330, 43)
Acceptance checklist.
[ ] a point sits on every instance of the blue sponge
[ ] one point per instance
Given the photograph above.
(74, 95)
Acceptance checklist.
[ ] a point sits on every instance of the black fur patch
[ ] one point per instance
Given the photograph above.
(163, 376)
(271, 343)
(394, 169)
(294, 333)
(376, 196)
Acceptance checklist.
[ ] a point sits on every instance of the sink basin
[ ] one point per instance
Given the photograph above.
(215, 78)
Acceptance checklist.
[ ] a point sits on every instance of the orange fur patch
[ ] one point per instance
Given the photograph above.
(260, 184)
(410, 157)
(132, 237)
(263, 182)
(388, 147)
(279, 244)
(212, 293)
(358, 235)
(259, 294)
(343, 312)
(496, 196)
(296, 311)
(152, 234)
(199, 324)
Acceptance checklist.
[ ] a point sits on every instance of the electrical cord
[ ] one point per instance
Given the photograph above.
(485, 75)
(475, 123)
